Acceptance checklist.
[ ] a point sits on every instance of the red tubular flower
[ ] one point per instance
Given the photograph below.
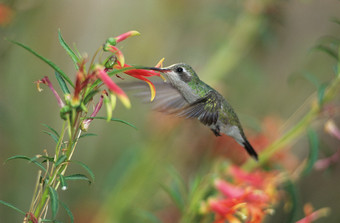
(113, 41)
(136, 73)
(228, 189)
(141, 74)
(126, 35)
(248, 197)
(113, 86)
(256, 178)
(47, 81)
(99, 105)
(225, 209)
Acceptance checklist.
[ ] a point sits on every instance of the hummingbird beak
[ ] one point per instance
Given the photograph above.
(162, 70)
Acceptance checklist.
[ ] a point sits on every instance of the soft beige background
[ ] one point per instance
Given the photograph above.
(264, 79)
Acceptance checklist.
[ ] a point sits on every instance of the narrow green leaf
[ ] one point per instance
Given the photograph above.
(39, 165)
(77, 176)
(90, 95)
(321, 93)
(68, 211)
(12, 206)
(48, 220)
(32, 160)
(313, 152)
(54, 137)
(77, 51)
(175, 195)
(194, 184)
(89, 171)
(335, 70)
(68, 50)
(17, 157)
(50, 63)
(114, 120)
(62, 83)
(311, 78)
(177, 189)
(87, 134)
(54, 201)
(292, 191)
(51, 159)
(147, 216)
(62, 182)
(52, 129)
(327, 50)
(60, 160)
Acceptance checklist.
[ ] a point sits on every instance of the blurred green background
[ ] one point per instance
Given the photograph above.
(254, 52)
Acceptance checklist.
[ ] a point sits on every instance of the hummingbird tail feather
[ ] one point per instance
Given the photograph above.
(250, 150)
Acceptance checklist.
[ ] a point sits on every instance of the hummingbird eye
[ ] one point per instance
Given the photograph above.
(179, 69)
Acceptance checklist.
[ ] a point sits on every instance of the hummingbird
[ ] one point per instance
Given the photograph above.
(186, 95)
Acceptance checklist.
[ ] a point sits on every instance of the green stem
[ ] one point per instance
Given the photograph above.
(73, 135)
(60, 141)
(42, 202)
(299, 129)
(45, 194)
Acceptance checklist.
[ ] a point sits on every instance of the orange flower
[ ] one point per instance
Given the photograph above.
(141, 75)
(126, 35)
(120, 63)
(6, 14)
(249, 197)
(113, 86)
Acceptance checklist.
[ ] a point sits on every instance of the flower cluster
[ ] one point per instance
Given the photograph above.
(247, 197)
(78, 98)
(89, 81)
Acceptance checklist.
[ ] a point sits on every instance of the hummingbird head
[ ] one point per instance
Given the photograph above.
(180, 75)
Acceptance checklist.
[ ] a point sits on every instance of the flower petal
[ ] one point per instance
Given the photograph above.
(160, 63)
(47, 81)
(151, 85)
(113, 87)
(332, 129)
(126, 35)
(87, 122)
(228, 189)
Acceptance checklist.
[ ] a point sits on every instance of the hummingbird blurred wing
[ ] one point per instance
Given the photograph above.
(204, 109)
(167, 99)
